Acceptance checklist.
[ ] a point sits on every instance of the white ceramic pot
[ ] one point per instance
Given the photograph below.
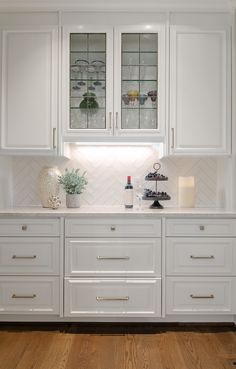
(73, 200)
(48, 184)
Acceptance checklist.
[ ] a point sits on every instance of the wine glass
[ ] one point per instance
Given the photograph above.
(139, 188)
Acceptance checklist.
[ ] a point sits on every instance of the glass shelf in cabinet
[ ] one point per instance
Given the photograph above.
(138, 108)
(87, 52)
(139, 80)
(139, 52)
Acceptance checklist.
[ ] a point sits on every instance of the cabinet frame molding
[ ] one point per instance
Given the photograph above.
(70, 134)
(48, 147)
(224, 147)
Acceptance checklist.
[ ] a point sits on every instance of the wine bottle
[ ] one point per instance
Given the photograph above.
(128, 193)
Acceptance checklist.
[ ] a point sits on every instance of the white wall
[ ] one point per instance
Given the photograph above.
(6, 194)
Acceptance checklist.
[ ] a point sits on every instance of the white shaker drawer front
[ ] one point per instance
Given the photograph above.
(204, 256)
(113, 297)
(107, 256)
(112, 227)
(29, 227)
(34, 295)
(200, 295)
(201, 227)
(28, 255)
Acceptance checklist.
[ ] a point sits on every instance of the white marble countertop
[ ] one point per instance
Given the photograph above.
(115, 210)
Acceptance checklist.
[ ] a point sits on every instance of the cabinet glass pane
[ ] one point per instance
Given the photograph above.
(88, 81)
(139, 77)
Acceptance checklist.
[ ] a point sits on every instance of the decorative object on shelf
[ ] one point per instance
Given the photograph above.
(73, 183)
(156, 195)
(128, 193)
(186, 192)
(89, 103)
(133, 95)
(142, 99)
(54, 202)
(153, 96)
(48, 184)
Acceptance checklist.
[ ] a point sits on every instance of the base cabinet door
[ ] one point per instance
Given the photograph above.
(113, 297)
(37, 295)
(29, 69)
(200, 295)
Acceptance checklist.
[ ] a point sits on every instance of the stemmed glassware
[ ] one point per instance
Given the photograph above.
(98, 64)
(139, 188)
(82, 65)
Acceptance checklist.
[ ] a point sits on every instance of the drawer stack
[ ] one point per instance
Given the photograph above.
(112, 267)
(29, 266)
(201, 266)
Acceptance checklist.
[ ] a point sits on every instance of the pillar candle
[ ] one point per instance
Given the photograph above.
(186, 192)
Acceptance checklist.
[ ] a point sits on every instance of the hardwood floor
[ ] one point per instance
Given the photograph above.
(161, 348)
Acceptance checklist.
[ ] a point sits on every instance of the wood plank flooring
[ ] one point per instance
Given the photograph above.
(184, 348)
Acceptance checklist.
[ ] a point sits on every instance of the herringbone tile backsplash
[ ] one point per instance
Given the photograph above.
(107, 168)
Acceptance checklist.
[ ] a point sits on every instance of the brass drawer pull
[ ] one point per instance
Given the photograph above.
(24, 227)
(101, 298)
(202, 257)
(113, 258)
(202, 228)
(23, 257)
(113, 228)
(202, 296)
(23, 296)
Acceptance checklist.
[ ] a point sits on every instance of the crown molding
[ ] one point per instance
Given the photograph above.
(117, 5)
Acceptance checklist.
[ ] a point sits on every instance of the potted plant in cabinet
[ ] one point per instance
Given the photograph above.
(74, 184)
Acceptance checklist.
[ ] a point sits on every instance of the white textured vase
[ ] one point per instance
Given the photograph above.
(72, 200)
(48, 184)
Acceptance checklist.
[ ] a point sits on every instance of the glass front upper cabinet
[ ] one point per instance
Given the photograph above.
(114, 82)
(87, 81)
(139, 76)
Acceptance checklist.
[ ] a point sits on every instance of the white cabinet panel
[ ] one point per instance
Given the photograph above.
(35, 295)
(29, 89)
(29, 256)
(201, 227)
(200, 90)
(101, 226)
(29, 227)
(113, 257)
(116, 297)
(201, 256)
(198, 295)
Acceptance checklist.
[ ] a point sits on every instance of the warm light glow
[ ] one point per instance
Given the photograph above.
(186, 192)
(109, 153)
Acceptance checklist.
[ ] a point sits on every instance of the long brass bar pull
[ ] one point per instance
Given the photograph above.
(23, 257)
(23, 296)
(202, 257)
(113, 258)
(202, 296)
(54, 138)
(117, 120)
(172, 138)
(121, 298)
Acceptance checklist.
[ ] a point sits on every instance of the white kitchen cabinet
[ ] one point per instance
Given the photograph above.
(113, 82)
(29, 87)
(109, 272)
(200, 266)
(29, 266)
(200, 89)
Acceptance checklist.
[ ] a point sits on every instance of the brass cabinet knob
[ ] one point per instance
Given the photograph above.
(24, 227)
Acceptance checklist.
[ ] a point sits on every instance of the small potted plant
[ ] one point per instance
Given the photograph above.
(73, 183)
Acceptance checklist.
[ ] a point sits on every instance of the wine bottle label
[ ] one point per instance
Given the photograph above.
(128, 197)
